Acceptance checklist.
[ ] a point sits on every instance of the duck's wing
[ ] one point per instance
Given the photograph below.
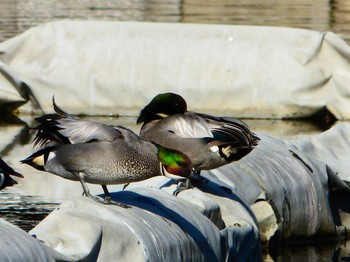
(83, 131)
(186, 125)
(63, 128)
(229, 129)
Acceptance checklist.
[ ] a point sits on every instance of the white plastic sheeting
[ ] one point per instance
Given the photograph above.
(17, 245)
(157, 227)
(117, 67)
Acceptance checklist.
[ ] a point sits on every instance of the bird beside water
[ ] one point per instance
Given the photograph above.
(92, 152)
(5, 175)
(208, 141)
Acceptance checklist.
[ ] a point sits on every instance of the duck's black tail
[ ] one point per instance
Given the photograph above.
(229, 129)
(233, 153)
(5, 172)
(5, 168)
(39, 158)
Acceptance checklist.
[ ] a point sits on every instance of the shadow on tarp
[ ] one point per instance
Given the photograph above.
(208, 183)
(156, 207)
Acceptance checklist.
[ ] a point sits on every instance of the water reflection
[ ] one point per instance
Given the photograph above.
(297, 13)
(22, 210)
(308, 252)
(320, 15)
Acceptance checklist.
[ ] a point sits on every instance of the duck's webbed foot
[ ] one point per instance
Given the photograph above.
(181, 186)
(86, 191)
(95, 198)
(108, 199)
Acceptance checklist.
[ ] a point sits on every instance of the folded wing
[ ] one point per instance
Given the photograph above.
(63, 128)
(228, 129)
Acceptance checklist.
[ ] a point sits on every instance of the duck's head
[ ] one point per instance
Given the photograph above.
(176, 164)
(161, 106)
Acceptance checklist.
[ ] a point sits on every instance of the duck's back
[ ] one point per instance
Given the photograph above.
(187, 125)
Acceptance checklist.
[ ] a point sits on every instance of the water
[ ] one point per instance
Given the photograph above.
(322, 15)
(38, 193)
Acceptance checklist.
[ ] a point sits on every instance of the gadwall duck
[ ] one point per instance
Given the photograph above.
(5, 173)
(208, 141)
(92, 152)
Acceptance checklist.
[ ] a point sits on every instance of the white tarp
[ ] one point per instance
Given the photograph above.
(156, 227)
(17, 245)
(117, 67)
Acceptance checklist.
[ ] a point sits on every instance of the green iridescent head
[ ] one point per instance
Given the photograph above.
(162, 104)
(174, 161)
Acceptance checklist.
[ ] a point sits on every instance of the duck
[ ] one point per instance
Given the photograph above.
(92, 152)
(209, 141)
(5, 175)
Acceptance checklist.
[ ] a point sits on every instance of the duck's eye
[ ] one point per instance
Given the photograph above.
(171, 131)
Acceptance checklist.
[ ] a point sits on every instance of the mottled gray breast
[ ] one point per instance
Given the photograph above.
(104, 162)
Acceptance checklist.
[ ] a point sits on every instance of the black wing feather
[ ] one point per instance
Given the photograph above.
(231, 130)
